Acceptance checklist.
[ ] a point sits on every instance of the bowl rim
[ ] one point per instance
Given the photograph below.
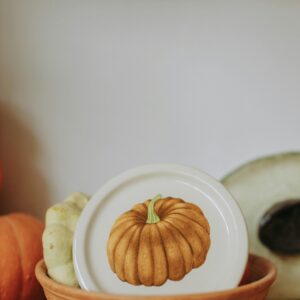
(250, 288)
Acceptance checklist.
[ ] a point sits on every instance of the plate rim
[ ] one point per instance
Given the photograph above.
(82, 225)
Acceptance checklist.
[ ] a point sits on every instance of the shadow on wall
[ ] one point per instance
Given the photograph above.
(23, 186)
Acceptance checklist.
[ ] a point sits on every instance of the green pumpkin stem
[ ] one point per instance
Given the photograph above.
(152, 216)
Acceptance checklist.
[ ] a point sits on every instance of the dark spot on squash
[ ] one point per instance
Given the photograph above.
(279, 228)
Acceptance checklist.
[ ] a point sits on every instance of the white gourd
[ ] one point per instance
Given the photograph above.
(61, 220)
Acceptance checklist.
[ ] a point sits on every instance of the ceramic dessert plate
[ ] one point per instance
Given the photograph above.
(227, 253)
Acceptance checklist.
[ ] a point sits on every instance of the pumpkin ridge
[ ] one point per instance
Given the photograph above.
(129, 213)
(168, 234)
(138, 214)
(125, 251)
(178, 233)
(185, 219)
(125, 230)
(190, 219)
(111, 251)
(140, 208)
(162, 202)
(169, 202)
(152, 255)
(19, 256)
(36, 230)
(126, 237)
(23, 217)
(124, 217)
(171, 224)
(146, 203)
(118, 226)
(127, 218)
(5, 287)
(135, 250)
(158, 204)
(138, 247)
(196, 256)
(163, 251)
(202, 236)
(141, 264)
(187, 205)
(169, 210)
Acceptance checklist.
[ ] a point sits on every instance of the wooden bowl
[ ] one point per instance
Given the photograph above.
(262, 275)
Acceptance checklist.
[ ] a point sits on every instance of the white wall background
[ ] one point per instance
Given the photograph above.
(91, 88)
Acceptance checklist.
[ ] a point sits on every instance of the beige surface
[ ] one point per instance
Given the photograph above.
(91, 88)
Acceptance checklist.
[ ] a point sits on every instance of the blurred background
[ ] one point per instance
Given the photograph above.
(89, 89)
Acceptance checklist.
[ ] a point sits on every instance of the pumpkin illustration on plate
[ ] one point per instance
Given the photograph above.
(160, 239)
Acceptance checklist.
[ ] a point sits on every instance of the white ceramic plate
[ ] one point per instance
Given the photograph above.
(227, 256)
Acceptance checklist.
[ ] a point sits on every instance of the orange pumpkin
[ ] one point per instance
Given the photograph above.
(160, 239)
(20, 250)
